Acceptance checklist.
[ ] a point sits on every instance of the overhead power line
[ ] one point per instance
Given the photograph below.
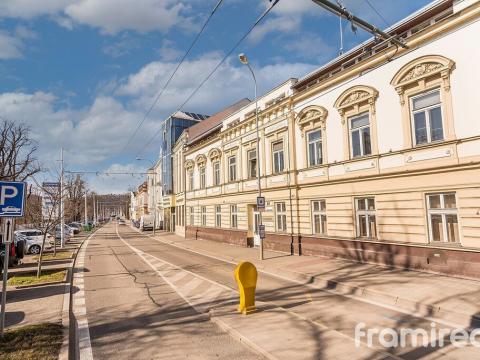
(150, 109)
(379, 14)
(262, 16)
(98, 173)
(356, 21)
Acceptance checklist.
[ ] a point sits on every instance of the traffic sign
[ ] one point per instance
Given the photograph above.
(261, 231)
(12, 198)
(8, 225)
(260, 203)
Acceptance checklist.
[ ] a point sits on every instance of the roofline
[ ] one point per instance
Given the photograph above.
(310, 76)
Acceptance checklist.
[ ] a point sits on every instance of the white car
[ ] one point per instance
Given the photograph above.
(11, 210)
(34, 240)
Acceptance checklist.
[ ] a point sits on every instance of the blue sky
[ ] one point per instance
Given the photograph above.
(82, 73)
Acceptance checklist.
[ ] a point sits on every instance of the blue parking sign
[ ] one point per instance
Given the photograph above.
(12, 198)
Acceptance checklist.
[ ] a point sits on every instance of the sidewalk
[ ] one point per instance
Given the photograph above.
(450, 299)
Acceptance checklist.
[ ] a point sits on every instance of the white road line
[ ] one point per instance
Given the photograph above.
(177, 273)
(79, 308)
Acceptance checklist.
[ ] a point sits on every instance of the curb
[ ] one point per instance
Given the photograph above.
(67, 304)
(412, 307)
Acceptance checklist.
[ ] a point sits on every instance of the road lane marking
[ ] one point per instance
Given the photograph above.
(173, 274)
(79, 308)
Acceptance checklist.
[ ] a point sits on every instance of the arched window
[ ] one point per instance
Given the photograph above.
(423, 86)
(356, 107)
(312, 123)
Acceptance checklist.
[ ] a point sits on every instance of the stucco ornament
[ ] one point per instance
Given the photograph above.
(312, 116)
(201, 160)
(189, 164)
(420, 70)
(214, 154)
(355, 97)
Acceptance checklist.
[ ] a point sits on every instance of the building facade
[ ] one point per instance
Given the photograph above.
(171, 129)
(373, 157)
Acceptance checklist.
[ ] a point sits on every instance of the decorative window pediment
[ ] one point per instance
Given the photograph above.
(419, 71)
(311, 116)
(355, 97)
(201, 160)
(189, 165)
(214, 154)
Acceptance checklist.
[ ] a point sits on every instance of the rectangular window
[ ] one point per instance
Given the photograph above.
(202, 177)
(314, 143)
(319, 217)
(192, 215)
(278, 157)
(204, 215)
(281, 216)
(232, 168)
(360, 135)
(233, 217)
(366, 217)
(216, 173)
(427, 118)
(218, 216)
(190, 180)
(252, 163)
(442, 217)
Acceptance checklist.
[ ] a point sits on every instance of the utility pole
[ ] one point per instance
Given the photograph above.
(94, 209)
(354, 20)
(86, 213)
(62, 205)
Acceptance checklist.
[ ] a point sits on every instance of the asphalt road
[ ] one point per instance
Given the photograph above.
(139, 306)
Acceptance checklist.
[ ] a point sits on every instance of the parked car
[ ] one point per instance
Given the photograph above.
(75, 228)
(146, 222)
(34, 240)
(58, 233)
(121, 222)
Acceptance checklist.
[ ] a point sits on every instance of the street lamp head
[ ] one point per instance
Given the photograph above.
(243, 58)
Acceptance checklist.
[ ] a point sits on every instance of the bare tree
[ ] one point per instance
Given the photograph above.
(17, 152)
(43, 211)
(74, 195)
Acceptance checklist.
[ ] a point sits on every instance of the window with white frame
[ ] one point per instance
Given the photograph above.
(360, 142)
(216, 173)
(278, 157)
(192, 215)
(314, 144)
(232, 168)
(427, 118)
(202, 177)
(233, 216)
(281, 216)
(366, 217)
(218, 216)
(443, 217)
(252, 163)
(319, 217)
(203, 213)
(190, 180)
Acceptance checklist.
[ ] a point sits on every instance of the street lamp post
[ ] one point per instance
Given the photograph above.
(154, 192)
(244, 60)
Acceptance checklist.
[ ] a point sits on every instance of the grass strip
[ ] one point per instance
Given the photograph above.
(40, 341)
(30, 278)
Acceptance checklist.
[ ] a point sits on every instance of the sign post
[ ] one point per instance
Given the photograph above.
(12, 204)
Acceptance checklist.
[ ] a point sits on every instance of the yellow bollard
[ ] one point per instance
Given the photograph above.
(246, 276)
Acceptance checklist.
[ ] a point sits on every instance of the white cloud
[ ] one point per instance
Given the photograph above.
(10, 46)
(106, 184)
(28, 9)
(112, 16)
(168, 52)
(230, 83)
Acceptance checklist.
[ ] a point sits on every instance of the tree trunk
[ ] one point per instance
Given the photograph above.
(40, 256)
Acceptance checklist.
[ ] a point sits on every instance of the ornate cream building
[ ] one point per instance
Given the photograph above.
(374, 157)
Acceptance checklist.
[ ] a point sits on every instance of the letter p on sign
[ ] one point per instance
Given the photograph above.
(7, 192)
